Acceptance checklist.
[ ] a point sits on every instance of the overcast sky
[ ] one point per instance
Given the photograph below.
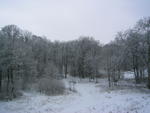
(69, 19)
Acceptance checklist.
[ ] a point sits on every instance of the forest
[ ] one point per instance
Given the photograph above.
(35, 70)
(26, 59)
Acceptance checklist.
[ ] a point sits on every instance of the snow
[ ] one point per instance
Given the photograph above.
(89, 98)
(129, 75)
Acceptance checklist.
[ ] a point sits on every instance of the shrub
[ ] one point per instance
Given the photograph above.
(50, 86)
(10, 92)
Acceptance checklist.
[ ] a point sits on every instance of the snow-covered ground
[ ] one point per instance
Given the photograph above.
(89, 98)
(128, 75)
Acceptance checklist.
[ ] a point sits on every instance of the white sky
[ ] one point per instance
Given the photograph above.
(69, 19)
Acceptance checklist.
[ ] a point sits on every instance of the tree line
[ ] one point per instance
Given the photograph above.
(130, 51)
(25, 58)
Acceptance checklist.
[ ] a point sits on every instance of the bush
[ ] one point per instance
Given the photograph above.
(13, 91)
(50, 86)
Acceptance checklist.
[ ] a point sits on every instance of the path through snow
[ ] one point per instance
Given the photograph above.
(90, 98)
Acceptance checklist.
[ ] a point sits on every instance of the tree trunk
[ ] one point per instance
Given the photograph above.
(136, 69)
(0, 80)
(109, 79)
(66, 69)
(8, 81)
(12, 83)
(148, 84)
(141, 75)
(137, 79)
(96, 75)
(108, 71)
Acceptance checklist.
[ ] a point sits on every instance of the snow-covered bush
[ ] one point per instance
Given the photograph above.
(8, 92)
(50, 86)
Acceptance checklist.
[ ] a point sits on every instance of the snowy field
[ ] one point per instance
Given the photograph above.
(89, 98)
